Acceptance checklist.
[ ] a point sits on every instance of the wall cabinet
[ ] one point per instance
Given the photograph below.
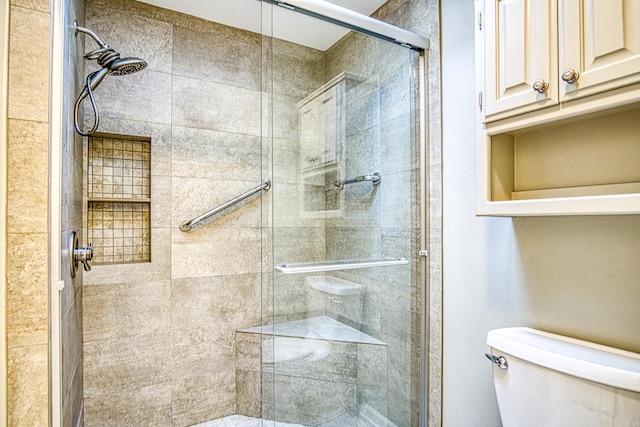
(558, 102)
(540, 53)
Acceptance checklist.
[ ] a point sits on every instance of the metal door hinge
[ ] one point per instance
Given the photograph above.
(480, 100)
(480, 21)
(423, 253)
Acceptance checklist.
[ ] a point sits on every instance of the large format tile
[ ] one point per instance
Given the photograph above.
(355, 53)
(27, 176)
(224, 55)
(283, 118)
(126, 363)
(201, 153)
(146, 406)
(248, 393)
(73, 401)
(196, 196)
(71, 336)
(396, 93)
(132, 35)
(40, 5)
(221, 251)
(201, 398)
(396, 151)
(214, 106)
(27, 289)
(27, 386)
(199, 351)
(312, 358)
(160, 209)
(28, 75)
(297, 70)
(144, 96)
(248, 353)
(299, 244)
(121, 310)
(225, 303)
(306, 401)
(396, 198)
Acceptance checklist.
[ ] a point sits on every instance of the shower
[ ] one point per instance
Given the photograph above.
(112, 64)
(300, 305)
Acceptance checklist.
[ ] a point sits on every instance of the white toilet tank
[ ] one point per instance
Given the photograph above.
(555, 381)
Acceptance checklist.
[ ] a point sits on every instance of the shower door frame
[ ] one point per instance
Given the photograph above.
(373, 27)
(56, 255)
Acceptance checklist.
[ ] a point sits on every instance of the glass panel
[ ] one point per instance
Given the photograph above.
(340, 345)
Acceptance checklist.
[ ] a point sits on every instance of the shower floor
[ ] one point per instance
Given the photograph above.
(346, 420)
(242, 421)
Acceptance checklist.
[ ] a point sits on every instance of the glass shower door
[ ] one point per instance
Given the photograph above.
(341, 307)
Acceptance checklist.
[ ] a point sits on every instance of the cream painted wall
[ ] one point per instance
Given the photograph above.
(578, 276)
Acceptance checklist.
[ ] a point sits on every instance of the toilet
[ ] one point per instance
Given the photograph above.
(548, 380)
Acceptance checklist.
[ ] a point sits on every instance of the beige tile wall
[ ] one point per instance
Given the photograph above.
(27, 214)
(201, 108)
(162, 333)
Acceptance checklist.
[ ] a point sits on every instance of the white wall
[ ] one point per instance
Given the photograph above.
(578, 276)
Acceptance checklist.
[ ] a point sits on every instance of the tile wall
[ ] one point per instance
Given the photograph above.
(159, 337)
(27, 259)
(159, 342)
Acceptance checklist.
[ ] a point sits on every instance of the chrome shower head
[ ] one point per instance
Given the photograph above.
(111, 64)
(124, 66)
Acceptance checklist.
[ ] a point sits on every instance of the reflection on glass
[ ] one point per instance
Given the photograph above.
(340, 346)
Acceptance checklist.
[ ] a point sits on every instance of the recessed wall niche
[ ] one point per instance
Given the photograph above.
(119, 198)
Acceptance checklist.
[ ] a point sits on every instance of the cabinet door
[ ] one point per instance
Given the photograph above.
(600, 39)
(520, 49)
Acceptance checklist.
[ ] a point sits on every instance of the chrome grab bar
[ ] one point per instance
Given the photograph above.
(376, 179)
(187, 225)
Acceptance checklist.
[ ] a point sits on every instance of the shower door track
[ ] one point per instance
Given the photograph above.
(347, 18)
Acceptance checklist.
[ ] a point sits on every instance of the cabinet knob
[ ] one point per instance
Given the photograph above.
(570, 75)
(541, 85)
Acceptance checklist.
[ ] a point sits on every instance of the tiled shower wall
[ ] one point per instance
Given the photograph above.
(27, 261)
(382, 221)
(159, 336)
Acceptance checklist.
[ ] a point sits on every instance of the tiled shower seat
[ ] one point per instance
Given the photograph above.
(313, 371)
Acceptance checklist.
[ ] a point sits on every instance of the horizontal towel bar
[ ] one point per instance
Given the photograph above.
(313, 267)
(376, 179)
(187, 225)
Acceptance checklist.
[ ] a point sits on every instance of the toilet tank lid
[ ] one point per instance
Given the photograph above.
(594, 362)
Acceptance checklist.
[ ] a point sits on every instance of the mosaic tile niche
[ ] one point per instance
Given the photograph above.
(119, 198)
